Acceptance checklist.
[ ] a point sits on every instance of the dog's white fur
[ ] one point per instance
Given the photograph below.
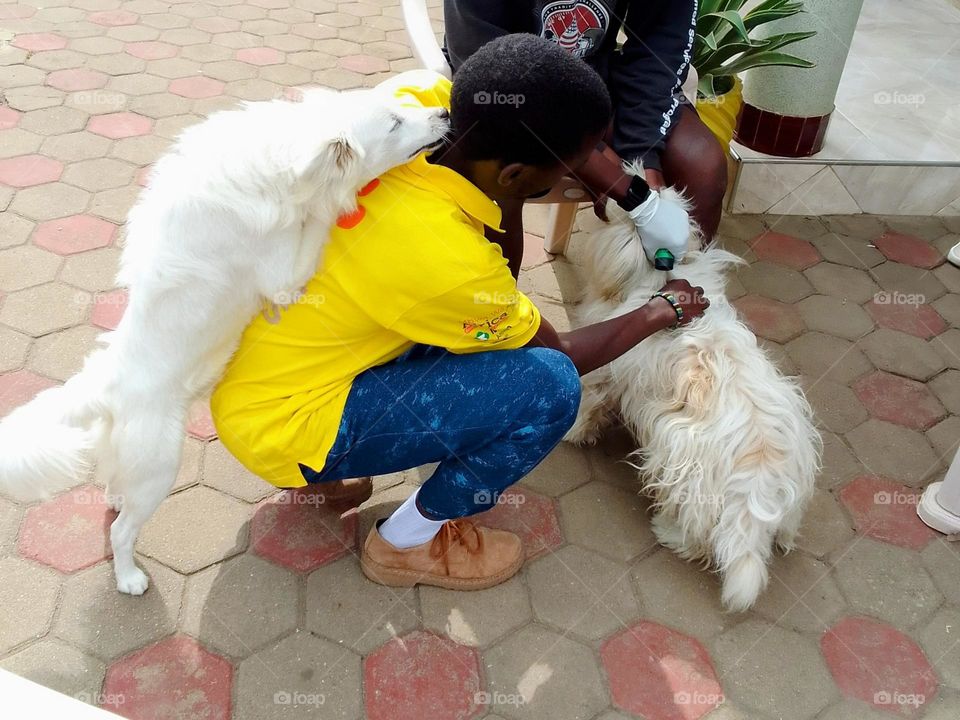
(235, 216)
(727, 446)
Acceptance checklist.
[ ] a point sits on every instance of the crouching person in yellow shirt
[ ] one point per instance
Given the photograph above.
(412, 343)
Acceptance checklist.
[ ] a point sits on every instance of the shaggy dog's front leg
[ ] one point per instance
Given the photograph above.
(596, 409)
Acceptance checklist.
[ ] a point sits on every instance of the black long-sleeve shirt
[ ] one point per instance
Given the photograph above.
(645, 75)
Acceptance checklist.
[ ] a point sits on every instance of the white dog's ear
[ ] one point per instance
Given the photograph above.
(345, 152)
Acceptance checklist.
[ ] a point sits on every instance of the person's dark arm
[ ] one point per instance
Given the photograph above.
(596, 345)
(468, 24)
(648, 76)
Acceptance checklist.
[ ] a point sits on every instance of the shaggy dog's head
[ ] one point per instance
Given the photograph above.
(617, 265)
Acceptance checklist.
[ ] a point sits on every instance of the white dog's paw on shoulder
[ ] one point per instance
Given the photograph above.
(133, 582)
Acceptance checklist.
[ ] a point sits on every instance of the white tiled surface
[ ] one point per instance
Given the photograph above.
(898, 102)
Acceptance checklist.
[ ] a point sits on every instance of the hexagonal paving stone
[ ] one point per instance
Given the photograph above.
(56, 665)
(826, 527)
(886, 582)
(782, 669)
(894, 451)
(945, 437)
(106, 623)
(906, 313)
(785, 250)
(536, 673)
(225, 473)
(528, 514)
(308, 676)
(581, 592)
(25, 266)
(196, 87)
(801, 594)
(561, 471)
(92, 270)
(947, 346)
(29, 170)
(74, 234)
(679, 594)
(903, 354)
(824, 356)
(941, 558)
(769, 318)
(18, 388)
(300, 535)
(478, 618)
(240, 605)
(834, 316)
(259, 56)
(176, 677)
(939, 641)
(10, 516)
(195, 528)
(908, 281)
(841, 249)
(946, 386)
(100, 174)
(422, 675)
(886, 511)
(120, 125)
(150, 50)
(76, 79)
(878, 665)
(8, 118)
(200, 423)
(835, 406)
(838, 463)
(53, 200)
(842, 282)
(70, 532)
(660, 674)
(108, 308)
(345, 607)
(899, 400)
(949, 308)
(39, 42)
(908, 250)
(775, 282)
(14, 230)
(608, 520)
(113, 18)
(29, 594)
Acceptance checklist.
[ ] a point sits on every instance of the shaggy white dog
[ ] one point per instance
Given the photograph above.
(234, 218)
(727, 447)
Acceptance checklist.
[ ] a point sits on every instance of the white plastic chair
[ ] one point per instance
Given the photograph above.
(565, 197)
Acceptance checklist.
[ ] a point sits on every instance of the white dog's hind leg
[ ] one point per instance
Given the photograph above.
(149, 456)
(595, 409)
(790, 528)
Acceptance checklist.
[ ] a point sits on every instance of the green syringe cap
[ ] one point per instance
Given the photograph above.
(663, 259)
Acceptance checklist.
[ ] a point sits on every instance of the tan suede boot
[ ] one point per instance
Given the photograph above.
(461, 557)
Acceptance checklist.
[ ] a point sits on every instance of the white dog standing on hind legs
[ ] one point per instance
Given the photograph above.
(727, 446)
(234, 216)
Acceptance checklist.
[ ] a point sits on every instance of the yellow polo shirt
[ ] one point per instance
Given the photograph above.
(412, 266)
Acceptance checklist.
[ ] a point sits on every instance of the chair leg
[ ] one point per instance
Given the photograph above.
(559, 227)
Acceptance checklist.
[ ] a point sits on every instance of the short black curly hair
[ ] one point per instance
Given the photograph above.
(521, 98)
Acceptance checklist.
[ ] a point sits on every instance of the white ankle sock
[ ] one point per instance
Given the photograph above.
(407, 527)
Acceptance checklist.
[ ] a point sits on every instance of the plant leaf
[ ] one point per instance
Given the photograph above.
(735, 21)
(766, 58)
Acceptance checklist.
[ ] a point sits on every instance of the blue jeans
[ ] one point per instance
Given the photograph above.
(488, 418)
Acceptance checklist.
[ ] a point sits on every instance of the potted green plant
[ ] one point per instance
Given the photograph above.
(726, 45)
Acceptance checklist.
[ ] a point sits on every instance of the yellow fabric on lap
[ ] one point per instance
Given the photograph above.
(412, 267)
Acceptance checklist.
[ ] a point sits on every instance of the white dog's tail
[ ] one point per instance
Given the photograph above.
(46, 446)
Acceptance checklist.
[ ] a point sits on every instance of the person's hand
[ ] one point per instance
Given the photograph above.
(689, 297)
(654, 179)
(662, 224)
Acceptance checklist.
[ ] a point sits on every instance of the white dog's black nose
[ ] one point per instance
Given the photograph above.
(444, 114)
